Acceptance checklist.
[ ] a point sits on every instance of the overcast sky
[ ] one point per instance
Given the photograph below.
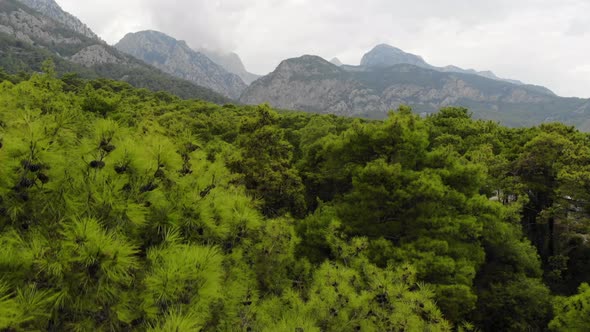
(544, 42)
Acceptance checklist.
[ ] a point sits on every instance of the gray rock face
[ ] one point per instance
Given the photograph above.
(177, 58)
(29, 28)
(310, 83)
(232, 63)
(51, 9)
(384, 55)
(45, 32)
(42, 23)
(94, 55)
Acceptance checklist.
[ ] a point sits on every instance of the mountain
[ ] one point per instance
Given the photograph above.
(336, 61)
(312, 84)
(177, 58)
(384, 55)
(232, 63)
(29, 36)
(52, 10)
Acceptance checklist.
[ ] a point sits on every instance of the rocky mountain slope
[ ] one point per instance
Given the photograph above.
(28, 37)
(232, 63)
(177, 58)
(310, 83)
(52, 10)
(384, 55)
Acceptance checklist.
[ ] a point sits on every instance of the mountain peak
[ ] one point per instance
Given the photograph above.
(384, 46)
(309, 57)
(336, 62)
(231, 62)
(309, 61)
(306, 66)
(228, 61)
(151, 38)
(156, 35)
(177, 58)
(384, 55)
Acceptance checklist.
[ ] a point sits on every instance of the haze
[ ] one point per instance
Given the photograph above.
(536, 41)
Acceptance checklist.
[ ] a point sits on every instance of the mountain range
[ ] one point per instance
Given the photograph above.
(388, 77)
(232, 63)
(383, 56)
(177, 58)
(33, 30)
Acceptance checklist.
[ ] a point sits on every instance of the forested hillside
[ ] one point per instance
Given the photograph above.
(123, 209)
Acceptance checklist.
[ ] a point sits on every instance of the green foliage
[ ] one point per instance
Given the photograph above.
(351, 294)
(127, 210)
(266, 162)
(95, 103)
(532, 312)
(572, 313)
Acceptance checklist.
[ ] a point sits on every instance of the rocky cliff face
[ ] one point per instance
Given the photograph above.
(178, 59)
(43, 31)
(31, 29)
(232, 63)
(52, 10)
(95, 55)
(312, 84)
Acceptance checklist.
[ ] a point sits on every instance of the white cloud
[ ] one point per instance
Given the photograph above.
(543, 42)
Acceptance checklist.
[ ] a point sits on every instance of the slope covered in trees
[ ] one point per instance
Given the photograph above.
(123, 209)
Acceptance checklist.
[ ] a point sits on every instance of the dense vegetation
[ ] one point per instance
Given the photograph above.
(123, 209)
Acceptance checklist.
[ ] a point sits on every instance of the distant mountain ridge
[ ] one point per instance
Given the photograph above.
(232, 63)
(384, 55)
(336, 62)
(34, 30)
(29, 35)
(177, 58)
(310, 83)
